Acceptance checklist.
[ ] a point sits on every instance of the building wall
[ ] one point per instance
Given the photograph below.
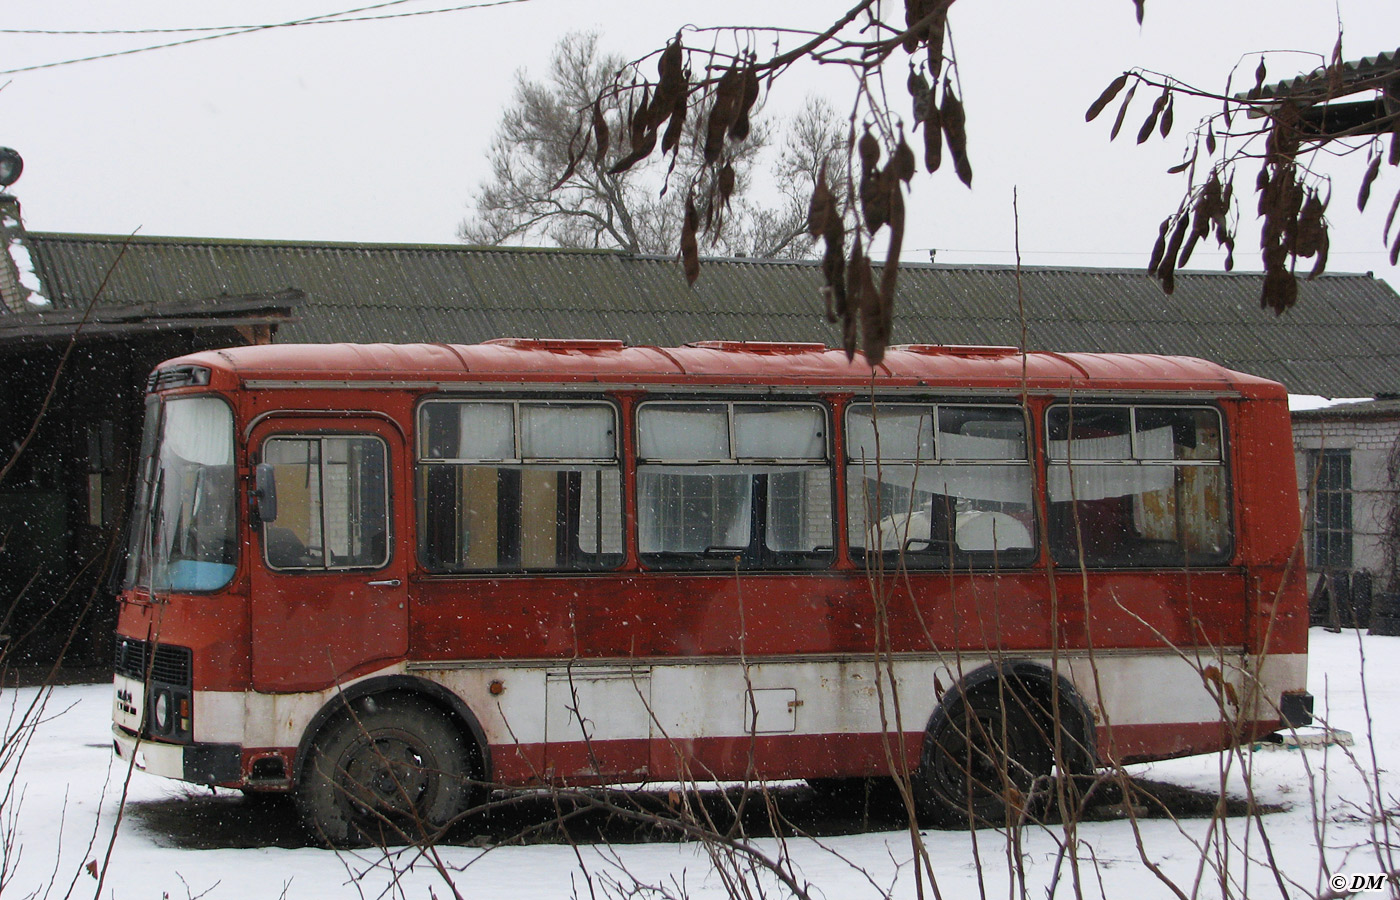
(1370, 443)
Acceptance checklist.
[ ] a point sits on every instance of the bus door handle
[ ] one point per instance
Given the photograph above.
(389, 582)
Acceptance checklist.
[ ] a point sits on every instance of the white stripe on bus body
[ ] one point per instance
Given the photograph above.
(621, 699)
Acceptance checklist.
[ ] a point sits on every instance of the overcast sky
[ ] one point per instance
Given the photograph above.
(377, 131)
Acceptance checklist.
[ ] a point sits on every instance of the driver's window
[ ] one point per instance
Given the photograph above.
(332, 511)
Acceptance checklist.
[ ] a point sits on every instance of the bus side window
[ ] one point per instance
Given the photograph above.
(1137, 486)
(934, 485)
(518, 484)
(332, 502)
(721, 484)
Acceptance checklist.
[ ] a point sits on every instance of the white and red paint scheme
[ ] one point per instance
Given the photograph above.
(627, 669)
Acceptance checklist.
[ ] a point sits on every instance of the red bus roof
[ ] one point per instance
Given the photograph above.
(723, 363)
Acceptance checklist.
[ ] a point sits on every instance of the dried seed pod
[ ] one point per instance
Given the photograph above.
(933, 137)
(1323, 245)
(875, 193)
(822, 206)
(727, 94)
(919, 91)
(834, 271)
(889, 273)
(690, 246)
(914, 12)
(672, 84)
(670, 69)
(747, 98)
(640, 152)
(868, 147)
(1166, 269)
(902, 163)
(1280, 290)
(937, 30)
(600, 133)
(1122, 112)
(1372, 171)
(1160, 247)
(640, 122)
(671, 140)
(856, 298)
(1106, 97)
(1210, 139)
(872, 334)
(725, 181)
(1151, 121)
(577, 150)
(1259, 75)
(1311, 234)
(1166, 125)
(955, 130)
(1138, 6)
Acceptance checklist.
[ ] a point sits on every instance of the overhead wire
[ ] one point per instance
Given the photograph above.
(335, 18)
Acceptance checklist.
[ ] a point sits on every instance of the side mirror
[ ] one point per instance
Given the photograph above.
(264, 495)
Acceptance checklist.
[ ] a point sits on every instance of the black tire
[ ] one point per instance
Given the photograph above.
(392, 770)
(983, 753)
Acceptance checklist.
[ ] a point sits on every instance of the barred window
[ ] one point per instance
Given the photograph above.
(1330, 525)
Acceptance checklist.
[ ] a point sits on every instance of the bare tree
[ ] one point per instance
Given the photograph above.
(541, 188)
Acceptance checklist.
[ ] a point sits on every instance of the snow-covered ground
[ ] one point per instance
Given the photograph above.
(65, 805)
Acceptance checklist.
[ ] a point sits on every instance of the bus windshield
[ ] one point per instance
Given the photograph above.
(184, 536)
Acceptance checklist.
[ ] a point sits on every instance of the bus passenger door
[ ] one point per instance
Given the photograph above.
(329, 599)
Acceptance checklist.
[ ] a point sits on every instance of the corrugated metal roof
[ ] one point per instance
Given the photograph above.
(1342, 339)
(1370, 73)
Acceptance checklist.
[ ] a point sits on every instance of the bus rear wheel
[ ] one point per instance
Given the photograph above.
(392, 770)
(985, 757)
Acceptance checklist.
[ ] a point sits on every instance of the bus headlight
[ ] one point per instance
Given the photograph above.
(161, 712)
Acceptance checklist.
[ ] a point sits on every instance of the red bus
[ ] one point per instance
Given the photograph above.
(383, 577)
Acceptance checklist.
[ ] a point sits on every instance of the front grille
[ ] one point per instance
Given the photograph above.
(170, 666)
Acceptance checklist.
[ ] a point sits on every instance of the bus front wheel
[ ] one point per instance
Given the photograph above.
(985, 757)
(391, 769)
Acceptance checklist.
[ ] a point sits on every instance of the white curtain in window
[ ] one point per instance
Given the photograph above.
(682, 432)
(485, 431)
(998, 484)
(788, 433)
(905, 432)
(1153, 444)
(1156, 443)
(1100, 482)
(199, 430)
(1113, 446)
(566, 432)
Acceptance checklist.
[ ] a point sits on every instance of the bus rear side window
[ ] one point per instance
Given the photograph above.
(518, 485)
(1137, 486)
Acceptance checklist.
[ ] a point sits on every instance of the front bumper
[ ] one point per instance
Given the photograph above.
(198, 763)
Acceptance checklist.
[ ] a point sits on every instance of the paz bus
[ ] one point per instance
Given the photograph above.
(386, 578)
